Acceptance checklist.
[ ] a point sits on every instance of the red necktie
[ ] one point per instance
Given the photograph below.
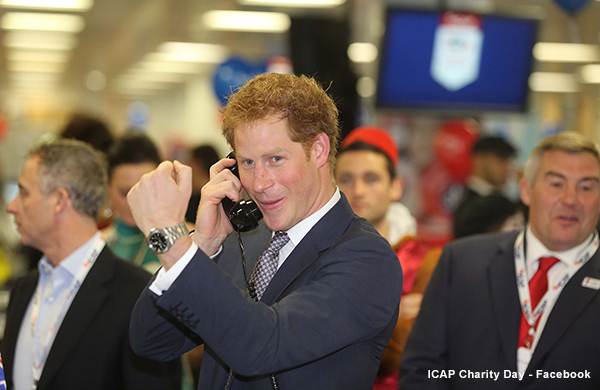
(538, 285)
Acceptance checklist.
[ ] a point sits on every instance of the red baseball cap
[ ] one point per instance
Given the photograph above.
(376, 137)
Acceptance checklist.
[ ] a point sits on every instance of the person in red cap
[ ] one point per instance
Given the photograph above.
(366, 173)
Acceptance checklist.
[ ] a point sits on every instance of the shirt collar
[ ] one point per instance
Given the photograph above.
(535, 249)
(297, 232)
(480, 186)
(73, 262)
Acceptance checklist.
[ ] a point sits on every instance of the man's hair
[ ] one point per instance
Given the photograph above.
(496, 146)
(363, 146)
(132, 148)
(205, 155)
(76, 167)
(567, 142)
(299, 100)
(90, 130)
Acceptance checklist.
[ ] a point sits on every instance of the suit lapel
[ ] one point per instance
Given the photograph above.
(505, 298)
(325, 233)
(570, 303)
(81, 313)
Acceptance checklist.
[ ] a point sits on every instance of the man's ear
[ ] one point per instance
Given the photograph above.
(525, 191)
(61, 200)
(320, 149)
(397, 188)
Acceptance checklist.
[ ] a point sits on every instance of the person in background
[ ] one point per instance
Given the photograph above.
(490, 214)
(67, 324)
(492, 160)
(202, 158)
(322, 301)
(366, 174)
(512, 310)
(96, 133)
(90, 130)
(130, 157)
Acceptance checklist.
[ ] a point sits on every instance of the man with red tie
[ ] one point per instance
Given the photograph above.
(520, 310)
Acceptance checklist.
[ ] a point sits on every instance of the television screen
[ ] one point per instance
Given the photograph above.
(455, 61)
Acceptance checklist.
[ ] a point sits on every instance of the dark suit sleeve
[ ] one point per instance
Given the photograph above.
(171, 338)
(352, 294)
(143, 373)
(426, 348)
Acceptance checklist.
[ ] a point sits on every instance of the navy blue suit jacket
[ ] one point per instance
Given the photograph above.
(323, 322)
(470, 318)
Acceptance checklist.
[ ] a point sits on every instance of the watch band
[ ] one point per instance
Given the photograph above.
(178, 231)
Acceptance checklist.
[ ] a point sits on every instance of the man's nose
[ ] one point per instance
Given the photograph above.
(12, 207)
(262, 179)
(569, 196)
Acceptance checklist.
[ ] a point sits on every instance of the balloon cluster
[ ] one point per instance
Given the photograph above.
(442, 181)
(232, 74)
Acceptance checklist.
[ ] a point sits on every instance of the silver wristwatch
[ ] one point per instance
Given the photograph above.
(161, 240)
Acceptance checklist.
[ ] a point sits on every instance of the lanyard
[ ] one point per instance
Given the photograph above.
(46, 342)
(532, 314)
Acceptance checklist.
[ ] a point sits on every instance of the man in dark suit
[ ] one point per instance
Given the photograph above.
(68, 321)
(492, 159)
(323, 320)
(520, 310)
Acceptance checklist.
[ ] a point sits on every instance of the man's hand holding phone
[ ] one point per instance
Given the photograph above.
(212, 224)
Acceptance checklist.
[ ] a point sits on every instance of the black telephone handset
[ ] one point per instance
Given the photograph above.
(245, 214)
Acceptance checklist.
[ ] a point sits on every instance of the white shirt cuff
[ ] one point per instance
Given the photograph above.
(164, 279)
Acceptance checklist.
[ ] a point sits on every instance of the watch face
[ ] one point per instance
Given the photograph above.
(158, 242)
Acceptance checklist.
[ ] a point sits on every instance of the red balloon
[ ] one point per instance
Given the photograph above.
(453, 143)
(440, 193)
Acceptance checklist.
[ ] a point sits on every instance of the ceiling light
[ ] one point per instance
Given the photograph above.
(193, 52)
(33, 84)
(366, 87)
(42, 67)
(553, 82)
(132, 93)
(566, 52)
(295, 3)
(72, 5)
(247, 21)
(168, 67)
(591, 74)
(141, 85)
(40, 55)
(40, 40)
(95, 81)
(362, 52)
(30, 76)
(140, 74)
(42, 22)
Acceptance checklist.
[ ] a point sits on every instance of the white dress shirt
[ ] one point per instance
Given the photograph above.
(164, 279)
(534, 251)
(54, 285)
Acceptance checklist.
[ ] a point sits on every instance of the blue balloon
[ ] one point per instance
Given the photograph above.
(572, 6)
(231, 75)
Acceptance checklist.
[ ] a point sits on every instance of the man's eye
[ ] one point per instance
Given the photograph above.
(276, 158)
(345, 181)
(248, 163)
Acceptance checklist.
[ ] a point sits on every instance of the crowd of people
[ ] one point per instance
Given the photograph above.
(138, 264)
